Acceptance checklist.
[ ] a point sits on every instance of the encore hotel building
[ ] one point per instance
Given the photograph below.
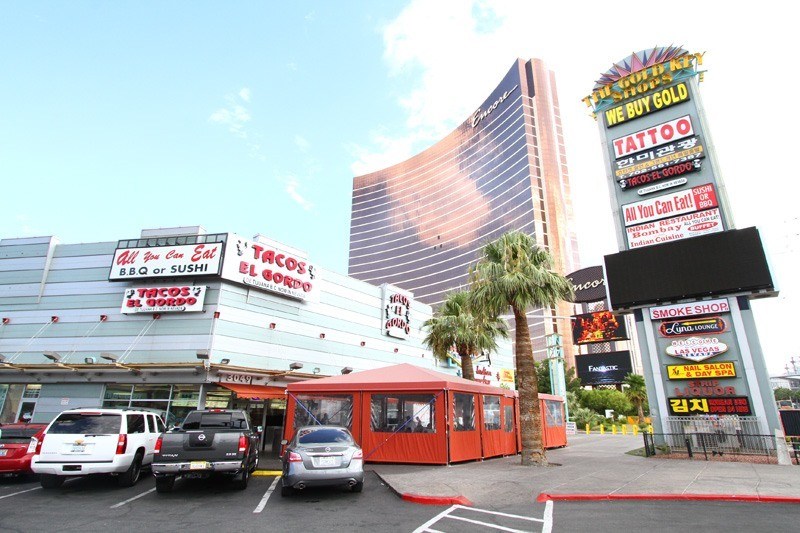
(420, 224)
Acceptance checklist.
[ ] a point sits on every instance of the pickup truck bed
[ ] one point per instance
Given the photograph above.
(212, 441)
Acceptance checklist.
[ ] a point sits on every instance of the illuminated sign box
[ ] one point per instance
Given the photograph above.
(603, 368)
(601, 326)
(701, 371)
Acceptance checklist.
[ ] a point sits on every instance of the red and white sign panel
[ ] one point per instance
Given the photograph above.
(170, 299)
(673, 204)
(696, 349)
(166, 261)
(271, 267)
(653, 136)
(703, 307)
(675, 228)
(397, 312)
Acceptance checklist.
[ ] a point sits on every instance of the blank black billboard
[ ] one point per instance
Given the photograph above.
(710, 265)
(603, 368)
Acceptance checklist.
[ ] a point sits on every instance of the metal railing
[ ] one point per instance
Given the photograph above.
(705, 445)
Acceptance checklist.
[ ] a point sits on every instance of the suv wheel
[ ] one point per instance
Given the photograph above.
(51, 481)
(244, 477)
(131, 475)
(165, 484)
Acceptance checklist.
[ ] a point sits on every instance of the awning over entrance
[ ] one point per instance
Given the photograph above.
(255, 392)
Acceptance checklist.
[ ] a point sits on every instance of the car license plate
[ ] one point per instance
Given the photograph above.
(3, 452)
(199, 465)
(78, 448)
(327, 461)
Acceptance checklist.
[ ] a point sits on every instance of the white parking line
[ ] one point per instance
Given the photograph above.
(20, 492)
(267, 494)
(546, 520)
(120, 504)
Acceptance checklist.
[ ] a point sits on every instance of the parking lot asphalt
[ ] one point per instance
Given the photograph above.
(591, 467)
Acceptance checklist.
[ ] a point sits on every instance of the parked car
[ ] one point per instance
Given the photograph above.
(321, 456)
(79, 442)
(17, 444)
(209, 441)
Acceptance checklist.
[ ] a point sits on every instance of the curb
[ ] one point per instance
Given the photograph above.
(436, 500)
(543, 497)
(426, 500)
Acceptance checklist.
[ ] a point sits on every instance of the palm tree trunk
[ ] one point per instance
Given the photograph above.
(528, 386)
(641, 412)
(467, 371)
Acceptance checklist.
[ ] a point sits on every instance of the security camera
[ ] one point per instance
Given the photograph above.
(90, 360)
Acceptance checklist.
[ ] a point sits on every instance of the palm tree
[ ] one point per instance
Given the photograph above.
(514, 272)
(455, 324)
(636, 392)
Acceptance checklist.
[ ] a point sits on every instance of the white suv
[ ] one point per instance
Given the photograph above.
(79, 442)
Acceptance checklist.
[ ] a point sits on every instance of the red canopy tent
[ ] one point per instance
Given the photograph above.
(407, 414)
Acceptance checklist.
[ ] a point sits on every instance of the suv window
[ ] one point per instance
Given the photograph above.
(86, 423)
(159, 425)
(135, 423)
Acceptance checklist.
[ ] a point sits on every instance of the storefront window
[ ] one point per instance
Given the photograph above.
(491, 412)
(313, 409)
(554, 413)
(464, 409)
(118, 392)
(405, 413)
(150, 392)
(218, 399)
(32, 391)
(508, 411)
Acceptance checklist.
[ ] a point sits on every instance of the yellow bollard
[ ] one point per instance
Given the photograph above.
(587, 429)
(602, 430)
(614, 429)
(635, 430)
(650, 428)
(625, 429)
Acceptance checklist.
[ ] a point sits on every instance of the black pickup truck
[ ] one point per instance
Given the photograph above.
(209, 441)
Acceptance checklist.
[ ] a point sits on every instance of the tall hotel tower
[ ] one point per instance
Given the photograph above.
(421, 223)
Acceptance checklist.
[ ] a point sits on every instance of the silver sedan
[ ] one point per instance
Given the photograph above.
(322, 456)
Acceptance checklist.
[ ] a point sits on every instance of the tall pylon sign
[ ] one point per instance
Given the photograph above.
(683, 269)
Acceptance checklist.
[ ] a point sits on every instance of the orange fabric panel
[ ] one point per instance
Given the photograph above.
(259, 392)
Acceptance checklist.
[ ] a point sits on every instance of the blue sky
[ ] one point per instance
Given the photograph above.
(253, 117)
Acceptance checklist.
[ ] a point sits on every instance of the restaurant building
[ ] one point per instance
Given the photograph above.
(421, 223)
(179, 318)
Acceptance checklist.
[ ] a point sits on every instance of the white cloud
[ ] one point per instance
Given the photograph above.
(236, 116)
(291, 190)
(302, 143)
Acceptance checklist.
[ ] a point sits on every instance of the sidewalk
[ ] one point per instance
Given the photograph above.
(591, 467)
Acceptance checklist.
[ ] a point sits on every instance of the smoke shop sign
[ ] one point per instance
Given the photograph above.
(696, 348)
(703, 307)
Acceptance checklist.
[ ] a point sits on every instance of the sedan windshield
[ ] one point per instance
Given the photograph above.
(327, 435)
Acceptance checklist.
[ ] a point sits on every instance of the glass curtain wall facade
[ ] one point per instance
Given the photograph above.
(420, 224)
